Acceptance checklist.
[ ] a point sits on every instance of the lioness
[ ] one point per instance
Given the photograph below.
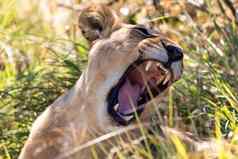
(128, 66)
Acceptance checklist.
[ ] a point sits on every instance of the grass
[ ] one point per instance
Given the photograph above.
(38, 63)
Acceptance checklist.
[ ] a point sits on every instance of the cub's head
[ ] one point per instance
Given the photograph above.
(128, 68)
(97, 21)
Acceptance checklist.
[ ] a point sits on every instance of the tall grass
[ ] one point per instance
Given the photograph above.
(37, 64)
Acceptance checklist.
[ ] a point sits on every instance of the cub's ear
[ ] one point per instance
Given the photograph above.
(97, 21)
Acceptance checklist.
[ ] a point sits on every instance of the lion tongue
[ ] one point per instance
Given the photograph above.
(128, 97)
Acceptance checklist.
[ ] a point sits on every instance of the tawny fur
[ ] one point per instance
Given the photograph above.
(80, 115)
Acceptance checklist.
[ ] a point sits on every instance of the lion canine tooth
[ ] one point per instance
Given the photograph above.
(162, 67)
(127, 118)
(158, 64)
(148, 66)
(116, 107)
(167, 78)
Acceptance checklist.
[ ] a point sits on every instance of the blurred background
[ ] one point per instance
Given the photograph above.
(42, 54)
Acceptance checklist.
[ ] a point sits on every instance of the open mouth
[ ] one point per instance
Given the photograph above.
(143, 81)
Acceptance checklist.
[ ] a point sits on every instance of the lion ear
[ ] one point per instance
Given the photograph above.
(97, 21)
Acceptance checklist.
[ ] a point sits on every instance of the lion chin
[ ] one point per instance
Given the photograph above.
(128, 67)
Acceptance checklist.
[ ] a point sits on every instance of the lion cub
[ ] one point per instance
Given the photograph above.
(97, 21)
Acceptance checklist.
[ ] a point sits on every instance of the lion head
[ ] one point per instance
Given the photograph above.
(129, 65)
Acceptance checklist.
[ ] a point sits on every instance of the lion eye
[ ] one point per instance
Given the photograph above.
(95, 24)
(83, 31)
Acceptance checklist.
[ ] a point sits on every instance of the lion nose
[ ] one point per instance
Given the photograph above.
(174, 52)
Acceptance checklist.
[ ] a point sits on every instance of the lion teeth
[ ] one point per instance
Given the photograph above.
(127, 118)
(116, 107)
(162, 67)
(167, 78)
(148, 66)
